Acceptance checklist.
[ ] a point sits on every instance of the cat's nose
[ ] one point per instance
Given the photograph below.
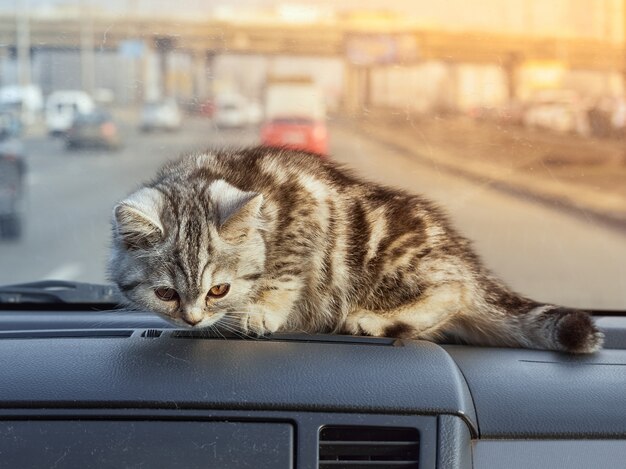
(192, 316)
(192, 320)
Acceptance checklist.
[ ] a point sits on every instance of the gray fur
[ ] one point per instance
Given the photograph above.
(307, 246)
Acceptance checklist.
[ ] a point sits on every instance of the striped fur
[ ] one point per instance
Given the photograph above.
(307, 246)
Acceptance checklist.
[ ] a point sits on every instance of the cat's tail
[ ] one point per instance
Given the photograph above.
(531, 325)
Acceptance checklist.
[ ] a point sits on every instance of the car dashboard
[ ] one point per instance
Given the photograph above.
(126, 389)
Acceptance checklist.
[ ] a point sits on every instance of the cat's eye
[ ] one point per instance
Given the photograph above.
(166, 294)
(218, 291)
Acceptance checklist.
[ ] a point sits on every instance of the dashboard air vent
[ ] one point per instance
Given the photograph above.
(355, 447)
(67, 334)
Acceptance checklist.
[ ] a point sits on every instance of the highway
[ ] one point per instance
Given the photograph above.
(540, 251)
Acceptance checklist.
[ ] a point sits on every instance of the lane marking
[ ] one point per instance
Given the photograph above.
(68, 271)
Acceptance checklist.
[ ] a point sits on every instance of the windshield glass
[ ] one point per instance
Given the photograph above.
(509, 114)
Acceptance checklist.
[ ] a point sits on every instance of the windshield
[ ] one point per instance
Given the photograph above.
(509, 114)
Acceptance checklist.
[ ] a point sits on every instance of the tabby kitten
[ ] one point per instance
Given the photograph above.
(268, 240)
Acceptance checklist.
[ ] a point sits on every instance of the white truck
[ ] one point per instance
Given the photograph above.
(62, 107)
(293, 96)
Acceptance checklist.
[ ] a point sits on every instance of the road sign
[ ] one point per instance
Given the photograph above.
(380, 49)
(132, 48)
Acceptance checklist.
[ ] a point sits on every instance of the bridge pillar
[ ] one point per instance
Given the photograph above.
(23, 48)
(511, 66)
(450, 99)
(367, 87)
(202, 69)
(164, 45)
(356, 93)
(149, 85)
(4, 54)
(349, 101)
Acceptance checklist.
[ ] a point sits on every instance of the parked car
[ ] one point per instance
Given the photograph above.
(62, 107)
(96, 129)
(160, 115)
(296, 133)
(12, 173)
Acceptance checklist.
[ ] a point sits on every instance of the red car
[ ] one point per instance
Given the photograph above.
(297, 133)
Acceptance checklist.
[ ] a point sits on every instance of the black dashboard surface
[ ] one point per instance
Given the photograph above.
(155, 444)
(498, 393)
(212, 373)
(537, 394)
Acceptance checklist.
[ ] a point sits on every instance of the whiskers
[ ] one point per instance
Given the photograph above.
(233, 326)
(125, 317)
(232, 320)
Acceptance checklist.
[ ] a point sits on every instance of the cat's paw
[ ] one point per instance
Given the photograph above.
(260, 321)
(365, 324)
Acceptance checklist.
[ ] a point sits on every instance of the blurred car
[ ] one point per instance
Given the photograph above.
(295, 115)
(558, 111)
(231, 111)
(96, 129)
(255, 113)
(483, 113)
(63, 106)
(26, 100)
(511, 113)
(551, 116)
(12, 172)
(207, 108)
(198, 107)
(160, 115)
(296, 133)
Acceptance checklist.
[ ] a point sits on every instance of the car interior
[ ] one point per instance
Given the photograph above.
(510, 115)
(104, 387)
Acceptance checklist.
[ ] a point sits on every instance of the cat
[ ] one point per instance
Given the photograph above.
(265, 240)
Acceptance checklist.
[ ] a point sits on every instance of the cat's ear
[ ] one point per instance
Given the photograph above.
(138, 220)
(237, 210)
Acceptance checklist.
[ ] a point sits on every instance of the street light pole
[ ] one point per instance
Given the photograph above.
(23, 43)
(623, 44)
(87, 57)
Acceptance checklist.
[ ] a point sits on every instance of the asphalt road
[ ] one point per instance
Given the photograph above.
(71, 196)
(540, 251)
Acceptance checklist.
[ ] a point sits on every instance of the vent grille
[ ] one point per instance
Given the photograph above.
(68, 334)
(353, 447)
(305, 338)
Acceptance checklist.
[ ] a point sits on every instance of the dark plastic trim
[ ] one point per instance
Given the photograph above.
(306, 424)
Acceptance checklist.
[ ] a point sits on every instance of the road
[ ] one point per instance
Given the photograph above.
(539, 250)
(71, 196)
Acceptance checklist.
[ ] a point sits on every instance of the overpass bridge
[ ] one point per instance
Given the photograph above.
(364, 47)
